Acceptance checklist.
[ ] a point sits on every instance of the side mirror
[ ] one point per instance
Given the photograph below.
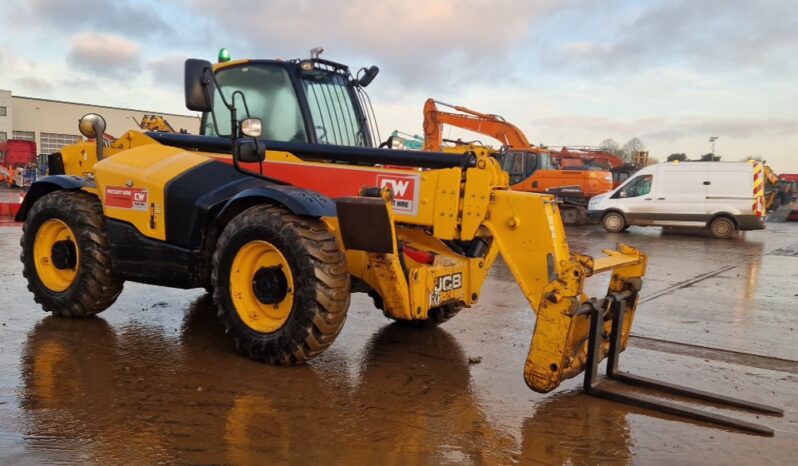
(92, 126)
(199, 88)
(249, 150)
(368, 76)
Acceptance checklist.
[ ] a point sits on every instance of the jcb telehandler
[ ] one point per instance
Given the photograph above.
(282, 208)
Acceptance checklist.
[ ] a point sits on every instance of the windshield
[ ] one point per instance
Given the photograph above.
(520, 165)
(545, 162)
(269, 96)
(335, 119)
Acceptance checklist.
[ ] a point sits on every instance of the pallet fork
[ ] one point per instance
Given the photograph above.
(612, 308)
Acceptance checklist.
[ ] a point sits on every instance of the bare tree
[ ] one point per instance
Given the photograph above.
(632, 147)
(611, 146)
(680, 156)
(755, 158)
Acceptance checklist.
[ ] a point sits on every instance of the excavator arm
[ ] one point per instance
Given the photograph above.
(490, 125)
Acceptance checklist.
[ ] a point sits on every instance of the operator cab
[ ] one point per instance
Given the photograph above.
(520, 164)
(304, 101)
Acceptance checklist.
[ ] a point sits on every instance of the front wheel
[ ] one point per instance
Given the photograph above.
(281, 285)
(614, 222)
(66, 256)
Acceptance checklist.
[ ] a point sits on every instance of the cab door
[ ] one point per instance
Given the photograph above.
(636, 199)
(520, 166)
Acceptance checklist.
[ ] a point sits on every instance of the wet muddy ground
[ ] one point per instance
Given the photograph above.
(155, 381)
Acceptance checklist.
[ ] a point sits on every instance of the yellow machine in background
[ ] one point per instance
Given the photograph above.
(155, 123)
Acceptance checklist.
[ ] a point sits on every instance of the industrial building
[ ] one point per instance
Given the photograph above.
(53, 123)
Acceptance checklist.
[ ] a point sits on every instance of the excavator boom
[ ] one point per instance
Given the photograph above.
(483, 123)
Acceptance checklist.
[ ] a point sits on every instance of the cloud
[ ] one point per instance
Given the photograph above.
(731, 36)
(104, 55)
(167, 70)
(671, 130)
(34, 85)
(118, 16)
(429, 41)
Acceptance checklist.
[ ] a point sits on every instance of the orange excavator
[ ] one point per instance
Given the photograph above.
(530, 168)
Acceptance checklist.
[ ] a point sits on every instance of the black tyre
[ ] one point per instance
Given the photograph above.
(281, 285)
(613, 222)
(573, 215)
(66, 256)
(722, 228)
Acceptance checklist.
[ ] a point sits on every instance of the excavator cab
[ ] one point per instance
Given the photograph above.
(520, 165)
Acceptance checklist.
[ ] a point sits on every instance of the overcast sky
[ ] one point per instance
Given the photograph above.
(671, 72)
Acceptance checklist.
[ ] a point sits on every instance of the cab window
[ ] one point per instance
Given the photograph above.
(639, 186)
(546, 162)
(521, 165)
(269, 96)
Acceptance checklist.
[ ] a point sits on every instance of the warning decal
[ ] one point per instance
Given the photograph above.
(405, 191)
(126, 198)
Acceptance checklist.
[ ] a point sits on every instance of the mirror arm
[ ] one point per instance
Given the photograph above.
(230, 106)
(243, 99)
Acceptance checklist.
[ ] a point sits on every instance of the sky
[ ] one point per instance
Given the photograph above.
(568, 72)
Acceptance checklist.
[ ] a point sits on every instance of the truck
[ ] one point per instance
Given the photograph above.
(17, 158)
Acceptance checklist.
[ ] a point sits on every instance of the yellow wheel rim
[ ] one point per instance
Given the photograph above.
(56, 255)
(261, 286)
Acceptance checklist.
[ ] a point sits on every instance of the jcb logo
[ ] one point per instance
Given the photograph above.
(449, 282)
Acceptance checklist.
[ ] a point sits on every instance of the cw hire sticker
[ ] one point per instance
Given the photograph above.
(126, 198)
(405, 191)
(443, 284)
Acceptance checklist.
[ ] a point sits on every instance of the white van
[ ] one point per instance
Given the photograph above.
(722, 196)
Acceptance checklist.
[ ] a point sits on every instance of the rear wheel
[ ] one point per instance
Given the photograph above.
(614, 222)
(722, 228)
(281, 285)
(66, 256)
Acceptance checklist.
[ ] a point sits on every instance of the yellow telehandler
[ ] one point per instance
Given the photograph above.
(282, 207)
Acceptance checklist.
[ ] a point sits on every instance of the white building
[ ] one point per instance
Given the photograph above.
(53, 123)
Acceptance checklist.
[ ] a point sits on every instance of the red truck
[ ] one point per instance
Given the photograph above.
(15, 156)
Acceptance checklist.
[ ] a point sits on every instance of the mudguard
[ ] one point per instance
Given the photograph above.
(299, 201)
(47, 185)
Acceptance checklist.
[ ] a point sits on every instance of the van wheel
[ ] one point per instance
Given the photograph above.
(722, 228)
(614, 222)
